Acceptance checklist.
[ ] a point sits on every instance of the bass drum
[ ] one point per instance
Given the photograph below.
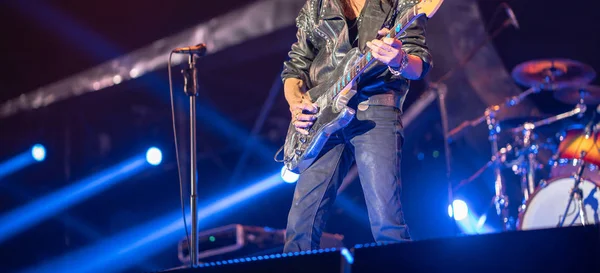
(548, 204)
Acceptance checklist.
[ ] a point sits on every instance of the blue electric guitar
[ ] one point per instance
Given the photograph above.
(332, 97)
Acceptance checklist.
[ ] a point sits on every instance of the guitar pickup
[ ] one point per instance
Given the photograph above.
(340, 102)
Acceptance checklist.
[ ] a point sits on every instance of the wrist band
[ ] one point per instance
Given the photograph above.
(403, 65)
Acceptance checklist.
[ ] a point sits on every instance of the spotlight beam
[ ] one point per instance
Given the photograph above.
(127, 248)
(73, 223)
(15, 164)
(36, 154)
(27, 216)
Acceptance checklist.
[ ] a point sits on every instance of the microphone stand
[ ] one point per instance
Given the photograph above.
(444, 112)
(190, 75)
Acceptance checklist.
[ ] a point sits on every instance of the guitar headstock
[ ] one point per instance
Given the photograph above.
(428, 7)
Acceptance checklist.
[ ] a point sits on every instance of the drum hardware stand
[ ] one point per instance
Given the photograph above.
(527, 164)
(512, 101)
(500, 198)
(577, 194)
(441, 100)
(442, 90)
(500, 156)
(528, 171)
(532, 151)
(578, 110)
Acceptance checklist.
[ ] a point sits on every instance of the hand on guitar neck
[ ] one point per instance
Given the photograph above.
(302, 109)
(389, 52)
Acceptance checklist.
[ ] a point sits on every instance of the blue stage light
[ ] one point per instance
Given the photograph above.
(287, 176)
(346, 253)
(154, 156)
(123, 250)
(38, 152)
(44, 207)
(460, 210)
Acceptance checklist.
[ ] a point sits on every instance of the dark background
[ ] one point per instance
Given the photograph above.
(45, 41)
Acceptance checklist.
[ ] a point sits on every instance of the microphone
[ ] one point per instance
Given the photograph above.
(199, 49)
(511, 15)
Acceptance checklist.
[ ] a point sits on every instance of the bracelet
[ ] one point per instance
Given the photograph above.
(403, 65)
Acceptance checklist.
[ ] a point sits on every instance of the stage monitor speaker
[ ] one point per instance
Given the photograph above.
(235, 241)
(570, 249)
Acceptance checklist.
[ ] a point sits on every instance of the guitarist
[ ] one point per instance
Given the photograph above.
(327, 30)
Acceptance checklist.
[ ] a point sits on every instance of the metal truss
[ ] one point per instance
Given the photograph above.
(236, 27)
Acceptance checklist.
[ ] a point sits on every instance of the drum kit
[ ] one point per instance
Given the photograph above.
(569, 194)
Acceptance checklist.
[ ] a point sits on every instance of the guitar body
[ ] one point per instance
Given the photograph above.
(300, 151)
(332, 97)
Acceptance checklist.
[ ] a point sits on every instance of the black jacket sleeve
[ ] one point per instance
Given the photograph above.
(414, 43)
(302, 52)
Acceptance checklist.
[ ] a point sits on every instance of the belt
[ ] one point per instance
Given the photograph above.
(387, 99)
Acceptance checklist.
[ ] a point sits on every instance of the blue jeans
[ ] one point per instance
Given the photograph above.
(374, 140)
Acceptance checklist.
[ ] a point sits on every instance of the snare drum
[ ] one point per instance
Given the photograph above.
(548, 204)
(575, 141)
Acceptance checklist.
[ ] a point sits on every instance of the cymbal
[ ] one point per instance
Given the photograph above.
(571, 95)
(552, 74)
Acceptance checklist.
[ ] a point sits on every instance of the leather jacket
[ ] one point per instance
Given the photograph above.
(322, 42)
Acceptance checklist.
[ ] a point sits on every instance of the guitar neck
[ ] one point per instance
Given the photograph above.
(367, 59)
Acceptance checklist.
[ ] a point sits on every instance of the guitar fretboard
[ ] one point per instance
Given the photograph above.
(367, 59)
